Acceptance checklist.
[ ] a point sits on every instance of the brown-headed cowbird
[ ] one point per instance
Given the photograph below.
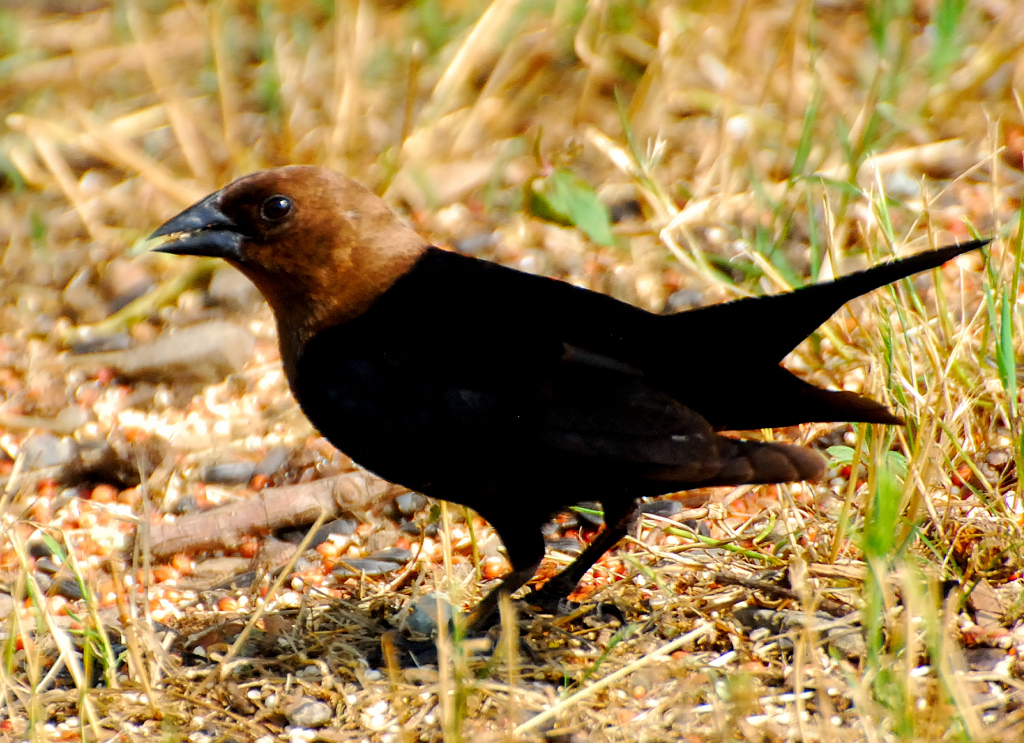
(514, 394)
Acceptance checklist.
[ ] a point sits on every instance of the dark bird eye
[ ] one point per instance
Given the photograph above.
(275, 208)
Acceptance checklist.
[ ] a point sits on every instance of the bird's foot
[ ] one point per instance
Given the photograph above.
(551, 602)
(561, 607)
(398, 651)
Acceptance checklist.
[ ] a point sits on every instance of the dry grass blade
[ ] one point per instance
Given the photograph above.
(658, 655)
(478, 42)
(183, 122)
(225, 662)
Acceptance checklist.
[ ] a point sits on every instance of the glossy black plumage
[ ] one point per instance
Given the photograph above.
(513, 394)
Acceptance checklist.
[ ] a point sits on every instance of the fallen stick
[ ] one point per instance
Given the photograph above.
(222, 527)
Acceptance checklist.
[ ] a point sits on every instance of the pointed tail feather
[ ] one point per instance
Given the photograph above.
(768, 327)
(742, 462)
(760, 463)
(775, 397)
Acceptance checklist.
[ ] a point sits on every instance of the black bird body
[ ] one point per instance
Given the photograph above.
(505, 395)
(514, 394)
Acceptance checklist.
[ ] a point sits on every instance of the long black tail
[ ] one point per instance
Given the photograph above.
(769, 327)
(745, 387)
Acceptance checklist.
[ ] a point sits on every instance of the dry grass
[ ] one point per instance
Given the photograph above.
(766, 145)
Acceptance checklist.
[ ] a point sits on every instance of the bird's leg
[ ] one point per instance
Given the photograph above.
(525, 554)
(525, 551)
(485, 613)
(618, 521)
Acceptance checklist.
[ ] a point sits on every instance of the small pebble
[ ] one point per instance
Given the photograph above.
(205, 353)
(623, 210)
(273, 460)
(344, 527)
(999, 458)
(475, 243)
(423, 618)
(185, 504)
(228, 473)
(410, 503)
(664, 508)
(566, 544)
(309, 713)
(118, 342)
(47, 565)
(392, 554)
(68, 588)
(46, 450)
(363, 566)
(38, 549)
(684, 299)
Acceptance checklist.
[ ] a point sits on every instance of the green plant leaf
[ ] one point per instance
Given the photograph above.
(1004, 354)
(841, 454)
(566, 199)
(883, 515)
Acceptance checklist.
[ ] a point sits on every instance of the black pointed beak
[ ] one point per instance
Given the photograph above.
(202, 229)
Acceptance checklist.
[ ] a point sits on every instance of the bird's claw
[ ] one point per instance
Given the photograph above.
(551, 603)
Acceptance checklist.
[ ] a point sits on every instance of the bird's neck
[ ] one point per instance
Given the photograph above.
(305, 308)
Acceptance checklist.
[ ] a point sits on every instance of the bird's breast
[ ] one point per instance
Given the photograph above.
(409, 412)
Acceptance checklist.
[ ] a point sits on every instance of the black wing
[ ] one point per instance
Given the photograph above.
(434, 388)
